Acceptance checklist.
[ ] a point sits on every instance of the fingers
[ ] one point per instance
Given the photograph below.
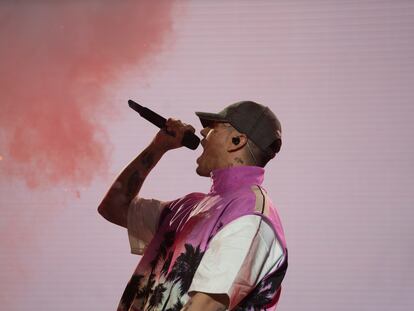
(171, 135)
(174, 126)
(190, 128)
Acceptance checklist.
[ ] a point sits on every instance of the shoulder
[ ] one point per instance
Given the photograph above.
(248, 228)
(188, 199)
(182, 204)
(262, 199)
(191, 196)
(256, 201)
(253, 199)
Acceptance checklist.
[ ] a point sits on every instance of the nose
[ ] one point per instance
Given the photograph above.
(204, 131)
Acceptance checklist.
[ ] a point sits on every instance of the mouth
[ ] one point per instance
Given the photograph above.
(202, 153)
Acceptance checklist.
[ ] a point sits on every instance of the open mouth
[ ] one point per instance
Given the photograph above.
(202, 153)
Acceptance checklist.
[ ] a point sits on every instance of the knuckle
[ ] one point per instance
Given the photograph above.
(171, 121)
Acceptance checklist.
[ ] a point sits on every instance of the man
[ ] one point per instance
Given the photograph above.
(224, 250)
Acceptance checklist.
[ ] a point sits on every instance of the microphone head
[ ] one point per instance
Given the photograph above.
(190, 140)
(137, 107)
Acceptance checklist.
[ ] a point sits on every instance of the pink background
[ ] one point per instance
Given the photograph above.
(338, 74)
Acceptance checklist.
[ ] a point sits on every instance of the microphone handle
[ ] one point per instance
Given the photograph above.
(190, 140)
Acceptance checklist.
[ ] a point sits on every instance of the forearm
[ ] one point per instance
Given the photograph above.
(128, 184)
(206, 302)
(114, 206)
(130, 181)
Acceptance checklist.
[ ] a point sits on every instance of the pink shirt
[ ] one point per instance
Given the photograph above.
(182, 238)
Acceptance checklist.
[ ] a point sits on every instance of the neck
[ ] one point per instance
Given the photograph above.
(236, 177)
(237, 159)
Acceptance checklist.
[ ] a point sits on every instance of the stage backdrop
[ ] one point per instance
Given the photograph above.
(338, 74)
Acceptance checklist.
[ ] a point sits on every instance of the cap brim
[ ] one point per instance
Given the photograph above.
(206, 118)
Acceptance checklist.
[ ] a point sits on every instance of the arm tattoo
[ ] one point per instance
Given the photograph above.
(133, 182)
(136, 179)
(147, 160)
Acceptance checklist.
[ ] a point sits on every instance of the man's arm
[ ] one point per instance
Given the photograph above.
(206, 302)
(114, 206)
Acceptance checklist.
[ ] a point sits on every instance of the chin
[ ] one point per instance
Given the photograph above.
(202, 172)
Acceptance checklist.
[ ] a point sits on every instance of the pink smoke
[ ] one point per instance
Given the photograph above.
(55, 60)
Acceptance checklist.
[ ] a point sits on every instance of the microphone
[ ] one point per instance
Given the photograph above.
(190, 140)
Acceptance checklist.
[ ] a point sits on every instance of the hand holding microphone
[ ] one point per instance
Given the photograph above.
(174, 128)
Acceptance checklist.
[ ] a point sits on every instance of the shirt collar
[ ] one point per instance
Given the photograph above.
(232, 178)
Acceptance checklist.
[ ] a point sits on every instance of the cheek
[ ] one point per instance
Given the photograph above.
(215, 150)
(215, 144)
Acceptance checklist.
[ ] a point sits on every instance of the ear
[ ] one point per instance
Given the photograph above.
(232, 144)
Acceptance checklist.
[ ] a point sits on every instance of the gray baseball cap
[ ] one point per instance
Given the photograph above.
(254, 120)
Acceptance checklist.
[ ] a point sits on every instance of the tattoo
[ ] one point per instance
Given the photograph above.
(239, 160)
(133, 181)
(147, 160)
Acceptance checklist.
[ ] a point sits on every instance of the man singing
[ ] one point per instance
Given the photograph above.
(221, 250)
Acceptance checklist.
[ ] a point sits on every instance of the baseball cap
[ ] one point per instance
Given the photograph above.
(254, 120)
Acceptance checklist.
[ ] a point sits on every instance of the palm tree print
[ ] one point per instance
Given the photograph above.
(165, 245)
(183, 269)
(156, 297)
(152, 293)
(131, 290)
(177, 307)
(259, 297)
(185, 266)
(167, 263)
(147, 290)
(264, 292)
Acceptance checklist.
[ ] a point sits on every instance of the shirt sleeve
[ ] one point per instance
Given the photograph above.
(142, 221)
(238, 257)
